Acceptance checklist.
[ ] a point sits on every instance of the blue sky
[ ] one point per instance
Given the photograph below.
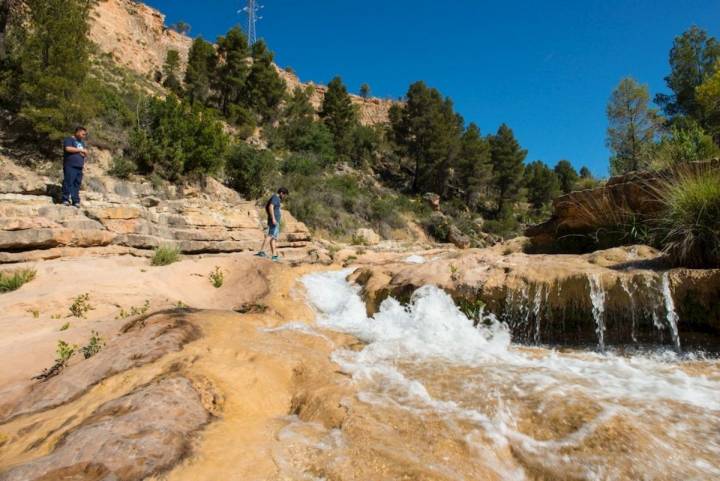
(546, 68)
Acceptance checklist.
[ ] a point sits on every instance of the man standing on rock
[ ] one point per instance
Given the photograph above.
(272, 208)
(74, 154)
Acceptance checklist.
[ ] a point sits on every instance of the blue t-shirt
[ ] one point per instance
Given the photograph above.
(73, 160)
(275, 203)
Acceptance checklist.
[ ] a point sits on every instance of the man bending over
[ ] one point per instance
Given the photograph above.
(272, 208)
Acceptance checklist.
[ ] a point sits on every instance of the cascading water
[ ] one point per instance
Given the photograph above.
(633, 315)
(671, 314)
(597, 297)
(439, 399)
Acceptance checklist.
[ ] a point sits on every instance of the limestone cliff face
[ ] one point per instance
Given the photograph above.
(136, 37)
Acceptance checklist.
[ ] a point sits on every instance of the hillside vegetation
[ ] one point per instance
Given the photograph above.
(229, 114)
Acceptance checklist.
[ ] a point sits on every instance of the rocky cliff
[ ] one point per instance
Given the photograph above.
(136, 37)
(127, 217)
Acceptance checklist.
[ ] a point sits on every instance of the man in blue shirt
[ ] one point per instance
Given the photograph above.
(272, 209)
(74, 154)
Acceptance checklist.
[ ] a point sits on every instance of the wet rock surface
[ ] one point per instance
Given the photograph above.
(627, 293)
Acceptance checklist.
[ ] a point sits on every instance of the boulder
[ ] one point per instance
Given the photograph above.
(459, 239)
(367, 237)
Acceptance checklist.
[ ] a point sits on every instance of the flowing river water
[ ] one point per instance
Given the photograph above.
(440, 399)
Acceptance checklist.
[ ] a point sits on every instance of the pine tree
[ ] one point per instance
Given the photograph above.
(339, 115)
(427, 130)
(365, 91)
(632, 128)
(693, 58)
(265, 88)
(508, 169)
(232, 73)
(567, 175)
(54, 64)
(585, 173)
(170, 72)
(474, 164)
(708, 98)
(300, 132)
(542, 184)
(201, 69)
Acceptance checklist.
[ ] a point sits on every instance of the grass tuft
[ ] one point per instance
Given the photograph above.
(691, 218)
(165, 255)
(14, 280)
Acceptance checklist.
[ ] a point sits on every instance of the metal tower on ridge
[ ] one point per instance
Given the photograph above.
(252, 9)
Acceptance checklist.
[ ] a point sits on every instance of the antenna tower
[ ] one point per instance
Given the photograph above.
(252, 10)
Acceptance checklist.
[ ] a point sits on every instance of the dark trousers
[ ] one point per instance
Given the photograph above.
(72, 178)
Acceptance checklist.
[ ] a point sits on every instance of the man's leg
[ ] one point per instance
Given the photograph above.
(67, 184)
(273, 246)
(77, 182)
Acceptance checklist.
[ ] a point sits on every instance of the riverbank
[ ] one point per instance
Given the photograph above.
(279, 374)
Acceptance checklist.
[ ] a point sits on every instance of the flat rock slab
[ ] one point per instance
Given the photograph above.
(130, 438)
(144, 343)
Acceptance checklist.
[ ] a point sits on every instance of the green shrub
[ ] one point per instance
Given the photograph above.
(122, 168)
(685, 143)
(13, 280)
(217, 277)
(175, 139)
(691, 218)
(165, 255)
(81, 306)
(64, 352)
(302, 164)
(94, 345)
(438, 226)
(250, 171)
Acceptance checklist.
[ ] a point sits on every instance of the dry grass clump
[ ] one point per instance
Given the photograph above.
(14, 280)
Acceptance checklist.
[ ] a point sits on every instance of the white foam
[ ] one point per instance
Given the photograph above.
(432, 326)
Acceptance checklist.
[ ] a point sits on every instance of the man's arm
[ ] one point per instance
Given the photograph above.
(271, 213)
(74, 150)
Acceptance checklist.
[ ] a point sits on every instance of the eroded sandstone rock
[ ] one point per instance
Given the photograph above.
(138, 435)
(207, 218)
(145, 341)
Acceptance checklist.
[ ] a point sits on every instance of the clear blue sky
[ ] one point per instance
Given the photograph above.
(546, 68)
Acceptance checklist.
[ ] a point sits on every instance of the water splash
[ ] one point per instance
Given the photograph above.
(426, 361)
(671, 314)
(597, 297)
(633, 316)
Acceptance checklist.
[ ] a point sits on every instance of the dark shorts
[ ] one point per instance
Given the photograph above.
(274, 231)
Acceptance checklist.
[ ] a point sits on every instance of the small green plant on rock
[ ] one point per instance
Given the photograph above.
(134, 311)
(35, 312)
(473, 309)
(165, 255)
(81, 306)
(65, 326)
(64, 352)
(454, 272)
(14, 280)
(94, 345)
(217, 277)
